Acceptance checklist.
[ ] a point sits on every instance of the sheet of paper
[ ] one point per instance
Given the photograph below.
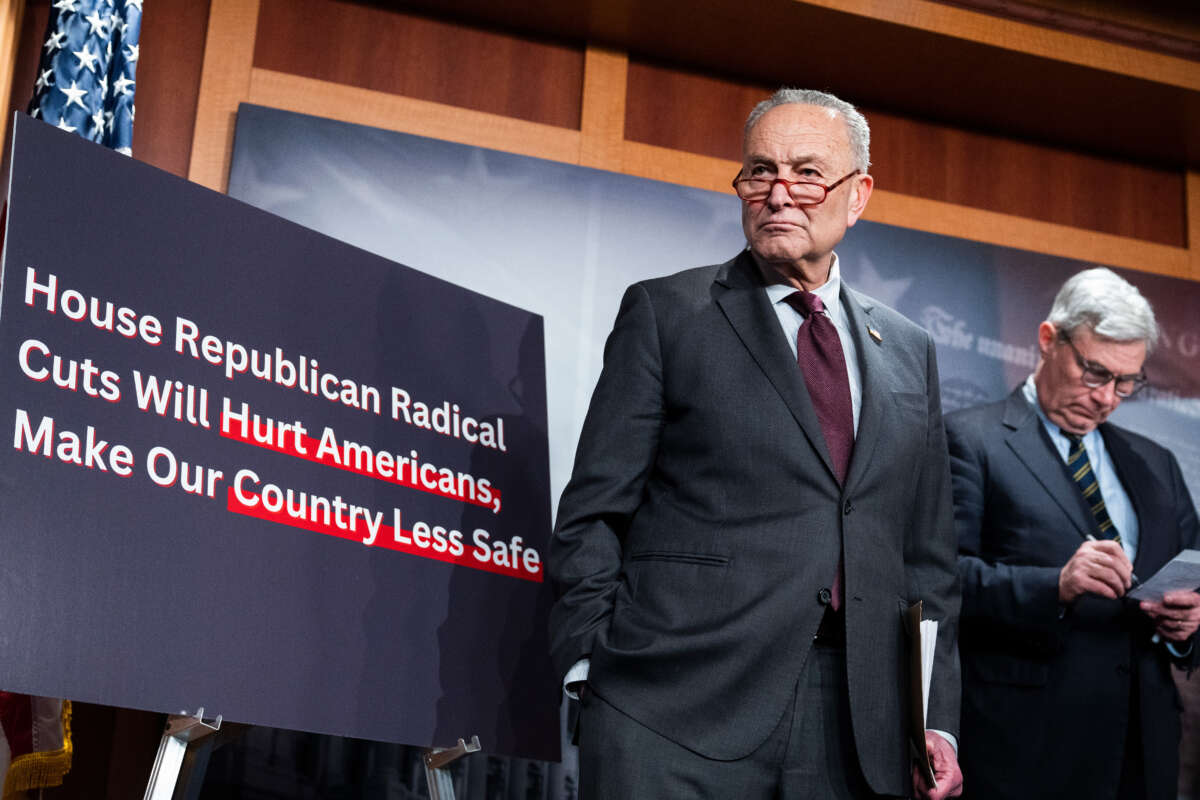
(929, 629)
(923, 640)
(1181, 572)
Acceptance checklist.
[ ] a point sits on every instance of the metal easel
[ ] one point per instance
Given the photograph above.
(178, 757)
(441, 783)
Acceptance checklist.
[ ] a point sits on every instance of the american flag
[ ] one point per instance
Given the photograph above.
(86, 77)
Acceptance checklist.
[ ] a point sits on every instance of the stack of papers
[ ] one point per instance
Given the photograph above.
(1181, 572)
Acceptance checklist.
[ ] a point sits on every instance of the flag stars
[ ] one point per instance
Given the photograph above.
(87, 58)
(96, 25)
(56, 41)
(74, 95)
(97, 37)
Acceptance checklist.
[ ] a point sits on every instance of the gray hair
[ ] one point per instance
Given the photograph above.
(1110, 306)
(857, 129)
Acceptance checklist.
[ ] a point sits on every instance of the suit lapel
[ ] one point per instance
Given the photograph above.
(744, 303)
(1031, 444)
(876, 384)
(1132, 472)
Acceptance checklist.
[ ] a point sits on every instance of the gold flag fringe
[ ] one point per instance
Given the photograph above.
(37, 770)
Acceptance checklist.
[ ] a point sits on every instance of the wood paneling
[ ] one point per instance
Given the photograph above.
(224, 82)
(423, 58)
(1025, 38)
(170, 57)
(11, 15)
(1028, 180)
(24, 73)
(948, 219)
(436, 120)
(921, 59)
(29, 52)
(672, 108)
(602, 119)
(1162, 26)
(682, 110)
(1193, 206)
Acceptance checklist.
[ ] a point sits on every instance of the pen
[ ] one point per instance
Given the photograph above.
(1133, 579)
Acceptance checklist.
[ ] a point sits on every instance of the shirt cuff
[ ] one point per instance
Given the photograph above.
(578, 674)
(949, 737)
(1177, 652)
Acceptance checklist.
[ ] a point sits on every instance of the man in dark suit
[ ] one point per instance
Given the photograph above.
(742, 531)
(1067, 683)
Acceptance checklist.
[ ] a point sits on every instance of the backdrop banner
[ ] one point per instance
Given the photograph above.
(564, 241)
(260, 471)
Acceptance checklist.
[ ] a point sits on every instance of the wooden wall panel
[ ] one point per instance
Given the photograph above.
(24, 73)
(673, 108)
(422, 58)
(224, 82)
(171, 54)
(922, 59)
(1028, 180)
(11, 16)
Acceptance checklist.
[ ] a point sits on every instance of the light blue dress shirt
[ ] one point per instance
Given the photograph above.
(1116, 500)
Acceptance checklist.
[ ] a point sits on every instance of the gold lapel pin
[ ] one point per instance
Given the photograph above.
(875, 335)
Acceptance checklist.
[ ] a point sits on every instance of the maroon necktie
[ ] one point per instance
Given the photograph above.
(823, 364)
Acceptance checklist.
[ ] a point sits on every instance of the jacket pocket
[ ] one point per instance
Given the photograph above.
(680, 557)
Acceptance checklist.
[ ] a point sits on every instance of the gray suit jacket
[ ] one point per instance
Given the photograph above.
(1051, 688)
(703, 518)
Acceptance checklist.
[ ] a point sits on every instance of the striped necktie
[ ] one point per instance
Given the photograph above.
(1085, 479)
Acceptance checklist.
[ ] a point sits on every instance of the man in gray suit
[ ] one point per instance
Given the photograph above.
(760, 489)
(1067, 684)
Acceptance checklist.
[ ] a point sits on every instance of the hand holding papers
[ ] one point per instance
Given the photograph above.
(1181, 572)
(1170, 598)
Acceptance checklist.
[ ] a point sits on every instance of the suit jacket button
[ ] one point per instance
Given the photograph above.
(824, 597)
(847, 508)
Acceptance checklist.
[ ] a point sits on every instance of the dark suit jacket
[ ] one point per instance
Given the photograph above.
(703, 518)
(1047, 698)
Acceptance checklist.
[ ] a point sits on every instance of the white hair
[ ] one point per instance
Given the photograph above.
(1107, 304)
(857, 129)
